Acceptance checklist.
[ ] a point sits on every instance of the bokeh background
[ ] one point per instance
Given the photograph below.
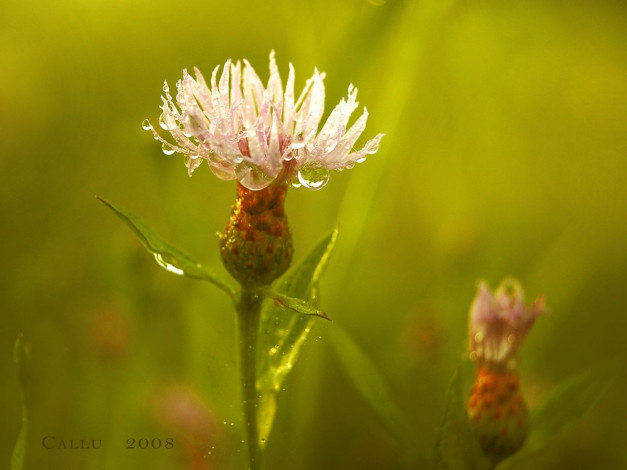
(505, 154)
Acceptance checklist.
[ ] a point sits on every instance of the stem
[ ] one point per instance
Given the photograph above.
(249, 310)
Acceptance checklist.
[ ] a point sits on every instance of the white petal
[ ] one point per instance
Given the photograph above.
(275, 87)
(335, 159)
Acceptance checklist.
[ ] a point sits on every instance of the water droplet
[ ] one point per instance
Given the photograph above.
(146, 125)
(273, 351)
(511, 338)
(165, 148)
(361, 160)
(170, 267)
(313, 177)
(479, 337)
(252, 176)
(167, 122)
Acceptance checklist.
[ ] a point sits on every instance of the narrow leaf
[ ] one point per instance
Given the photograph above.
(570, 401)
(281, 334)
(20, 351)
(298, 305)
(367, 379)
(456, 447)
(166, 255)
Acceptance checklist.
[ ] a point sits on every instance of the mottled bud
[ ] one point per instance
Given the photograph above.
(497, 413)
(256, 246)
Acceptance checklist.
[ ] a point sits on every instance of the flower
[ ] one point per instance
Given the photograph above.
(260, 135)
(499, 323)
(496, 409)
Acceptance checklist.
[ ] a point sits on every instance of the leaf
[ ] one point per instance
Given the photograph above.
(166, 255)
(367, 379)
(297, 305)
(570, 401)
(456, 447)
(282, 333)
(20, 352)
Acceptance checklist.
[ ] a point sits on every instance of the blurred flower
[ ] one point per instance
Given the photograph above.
(423, 333)
(496, 409)
(111, 333)
(183, 414)
(499, 323)
(260, 135)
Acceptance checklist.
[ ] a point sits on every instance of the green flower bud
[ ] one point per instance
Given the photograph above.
(256, 246)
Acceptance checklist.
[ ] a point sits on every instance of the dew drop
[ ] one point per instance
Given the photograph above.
(146, 125)
(165, 148)
(167, 122)
(313, 177)
(252, 176)
(169, 266)
(361, 160)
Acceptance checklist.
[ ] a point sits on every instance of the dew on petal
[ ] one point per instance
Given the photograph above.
(313, 177)
(167, 122)
(167, 149)
(252, 176)
(146, 125)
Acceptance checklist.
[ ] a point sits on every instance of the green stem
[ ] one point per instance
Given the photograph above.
(249, 311)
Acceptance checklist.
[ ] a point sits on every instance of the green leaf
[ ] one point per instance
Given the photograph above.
(20, 352)
(570, 401)
(367, 379)
(456, 447)
(297, 305)
(166, 255)
(282, 333)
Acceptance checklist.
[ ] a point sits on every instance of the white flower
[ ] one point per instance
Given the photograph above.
(499, 323)
(258, 134)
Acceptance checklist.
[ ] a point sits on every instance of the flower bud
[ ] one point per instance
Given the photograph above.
(256, 246)
(498, 414)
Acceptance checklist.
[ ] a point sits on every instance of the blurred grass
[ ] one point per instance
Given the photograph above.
(505, 155)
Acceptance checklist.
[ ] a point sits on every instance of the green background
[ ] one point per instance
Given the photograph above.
(505, 154)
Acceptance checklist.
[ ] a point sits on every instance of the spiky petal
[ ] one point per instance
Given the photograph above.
(499, 322)
(260, 134)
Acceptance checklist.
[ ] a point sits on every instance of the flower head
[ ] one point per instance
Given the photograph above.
(499, 323)
(260, 135)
